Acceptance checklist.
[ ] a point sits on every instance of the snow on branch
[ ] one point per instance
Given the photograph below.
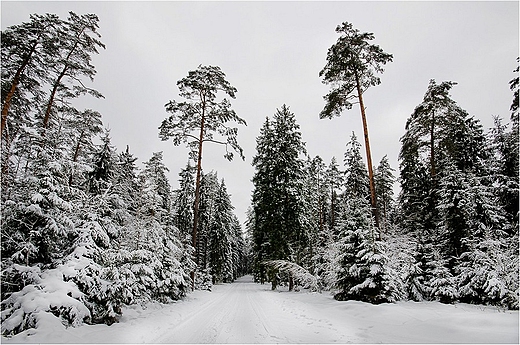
(301, 276)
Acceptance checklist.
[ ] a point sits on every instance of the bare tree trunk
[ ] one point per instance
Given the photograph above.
(56, 84)
(75, 157)
(332, 208)
(320, 204)
(14, 86)
(197, 196)
(432, 146)
(51, 98)
(373, 201)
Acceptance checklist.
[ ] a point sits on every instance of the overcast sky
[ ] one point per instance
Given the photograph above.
(272, 53)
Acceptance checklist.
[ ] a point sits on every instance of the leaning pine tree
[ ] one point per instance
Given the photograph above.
(351, 67)
(197, 120)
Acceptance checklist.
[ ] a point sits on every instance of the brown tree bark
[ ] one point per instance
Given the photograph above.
(51, 98)
(197, 194)
(373, 199)
(432, 146)
(14, 86)
(57, 82)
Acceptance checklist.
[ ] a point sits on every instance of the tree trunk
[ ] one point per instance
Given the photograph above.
(432, 146)
(373, 201)
(320, 204)
(197, 196)
(62, 74)
(291, 283)
(332, 209)
(14, 86)
(75, 157)
(51, 98)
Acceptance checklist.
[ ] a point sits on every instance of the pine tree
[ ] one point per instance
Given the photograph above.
(26, 49)
(87, 125)
(440, 137)
(77, 41)
(351, 67)
(201, 112)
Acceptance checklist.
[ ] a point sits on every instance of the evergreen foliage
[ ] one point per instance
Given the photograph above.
(198, 120)
(279, 228)
(452, 202)
(364, 272)
(352, 65)
(86, 231)
(384, 181)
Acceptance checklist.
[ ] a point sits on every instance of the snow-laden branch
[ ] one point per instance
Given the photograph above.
(301, 276)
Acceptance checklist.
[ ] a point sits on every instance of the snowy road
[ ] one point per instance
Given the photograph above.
(245, 312)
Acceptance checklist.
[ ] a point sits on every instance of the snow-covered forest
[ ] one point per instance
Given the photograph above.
(87, 231)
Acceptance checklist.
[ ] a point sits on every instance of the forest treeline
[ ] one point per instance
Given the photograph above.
(450, 235)
(86, 231)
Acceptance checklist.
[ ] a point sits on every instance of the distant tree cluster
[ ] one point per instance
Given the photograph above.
(450, 235)
(221, 251)
(84, 230)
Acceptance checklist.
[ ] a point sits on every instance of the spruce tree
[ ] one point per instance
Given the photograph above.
(334, 179)
(356, 178)
(183, 201)
(315, 211)
(278, 202)
(384, 180)
(220, 237)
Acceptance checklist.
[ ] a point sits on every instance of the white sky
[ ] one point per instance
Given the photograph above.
(272, 53)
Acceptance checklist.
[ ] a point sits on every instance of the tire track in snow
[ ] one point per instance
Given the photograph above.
(234, 314)
(245, 312)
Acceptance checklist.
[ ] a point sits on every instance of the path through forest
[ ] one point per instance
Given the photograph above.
(245, 312)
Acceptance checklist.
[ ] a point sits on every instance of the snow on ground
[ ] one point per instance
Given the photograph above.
(245, 312)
